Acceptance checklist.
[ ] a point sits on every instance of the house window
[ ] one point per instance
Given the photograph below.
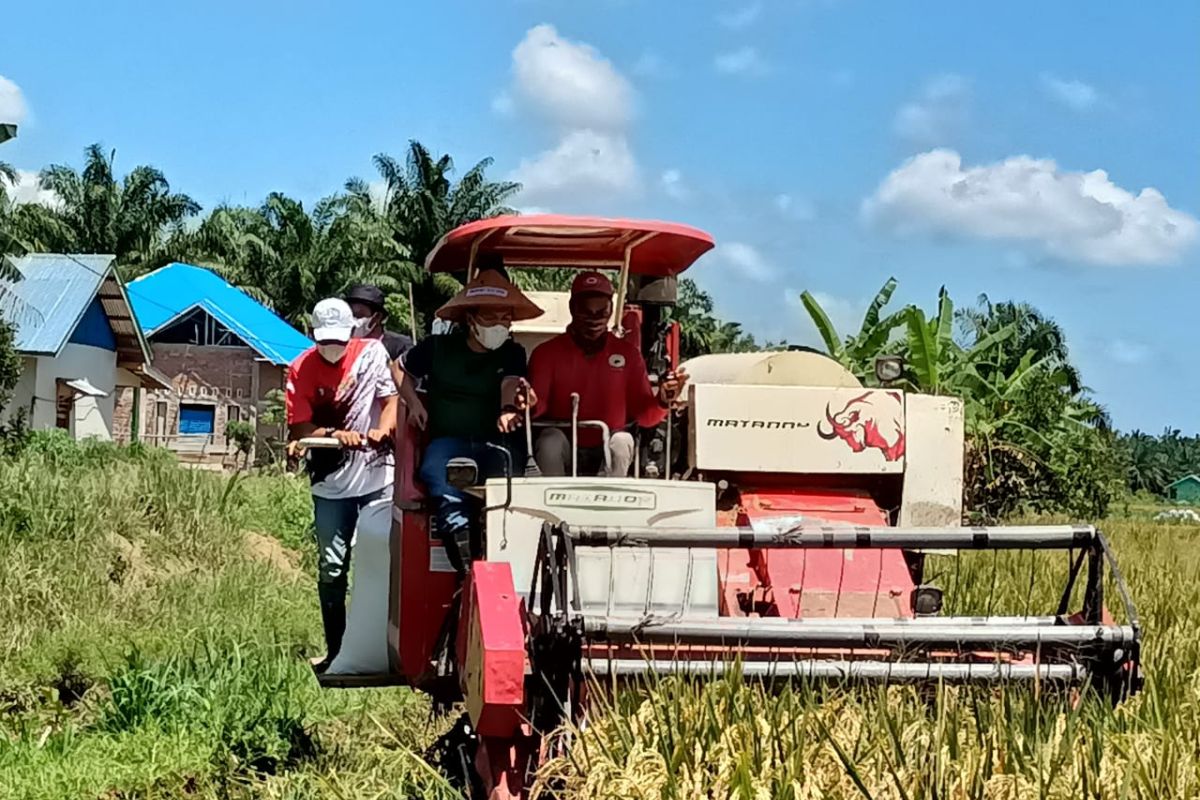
(196, 419)
(233, 414)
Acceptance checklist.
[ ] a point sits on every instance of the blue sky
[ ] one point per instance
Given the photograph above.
(1044, 152)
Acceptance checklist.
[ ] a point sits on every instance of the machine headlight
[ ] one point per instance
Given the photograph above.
(888, 368)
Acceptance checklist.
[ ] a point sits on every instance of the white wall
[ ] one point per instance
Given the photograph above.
(38, 386)
(22, 396)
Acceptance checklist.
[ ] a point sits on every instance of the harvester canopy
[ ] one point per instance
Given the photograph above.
(658, 249)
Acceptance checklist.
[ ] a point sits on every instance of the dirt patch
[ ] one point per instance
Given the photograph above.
(268, 550)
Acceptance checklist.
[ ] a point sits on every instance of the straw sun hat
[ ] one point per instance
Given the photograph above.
(489, 290)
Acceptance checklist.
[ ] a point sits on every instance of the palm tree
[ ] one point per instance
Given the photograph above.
(1032, 331)
(128, 218)
(422, 204)
(289, 258)
(8, 243)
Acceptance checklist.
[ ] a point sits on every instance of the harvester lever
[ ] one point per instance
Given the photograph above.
(508, 473)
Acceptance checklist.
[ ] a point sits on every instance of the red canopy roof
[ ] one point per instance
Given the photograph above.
(553, 240)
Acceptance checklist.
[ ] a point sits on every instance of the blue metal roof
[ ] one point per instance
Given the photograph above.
(164, 295)
(51, 297)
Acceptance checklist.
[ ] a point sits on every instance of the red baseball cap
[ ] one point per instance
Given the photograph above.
(591, 283)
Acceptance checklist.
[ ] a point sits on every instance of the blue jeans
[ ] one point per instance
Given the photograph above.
(455, 510)
(335, 520)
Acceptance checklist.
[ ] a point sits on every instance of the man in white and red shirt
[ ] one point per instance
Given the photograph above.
(609, 375)
(341, 388)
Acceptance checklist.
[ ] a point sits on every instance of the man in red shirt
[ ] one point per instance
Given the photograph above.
(609, 375)
(341, 388)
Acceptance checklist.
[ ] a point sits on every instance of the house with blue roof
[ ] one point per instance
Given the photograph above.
(222, 351)
(79, 340)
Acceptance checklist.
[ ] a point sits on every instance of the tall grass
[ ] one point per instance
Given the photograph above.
(678, 737)
(145, 652)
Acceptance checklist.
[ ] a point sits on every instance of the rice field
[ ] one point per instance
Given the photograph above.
(156, 625)
(686, 738)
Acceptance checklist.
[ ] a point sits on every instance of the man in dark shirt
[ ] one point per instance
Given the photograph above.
(475, 390)
(366, 302)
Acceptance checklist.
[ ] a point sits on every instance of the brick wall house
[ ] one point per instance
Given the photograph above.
(224, 354)
(224, 383)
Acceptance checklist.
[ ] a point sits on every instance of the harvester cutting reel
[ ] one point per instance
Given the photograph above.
(574, 636)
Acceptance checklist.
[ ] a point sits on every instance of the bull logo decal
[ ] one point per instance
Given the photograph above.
(871, 420)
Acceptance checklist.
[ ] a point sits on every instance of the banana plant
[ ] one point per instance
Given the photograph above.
(857, 353)
(936, 363)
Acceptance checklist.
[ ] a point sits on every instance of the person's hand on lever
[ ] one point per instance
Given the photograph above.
(525, 396)
(510, 419)
(671, 387)
(348, 438)
(378, 436)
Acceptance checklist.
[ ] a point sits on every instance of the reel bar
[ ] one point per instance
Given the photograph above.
(901, 672)
(1025, 537)
(851, 633)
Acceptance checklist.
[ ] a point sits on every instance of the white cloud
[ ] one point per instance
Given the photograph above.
(531, 210)
(570, 83)
(743, 17)
(1074, 94)
(743, 61)
(673, 185)
(797, 208)
(589, 106)
(1124, 351)
(1080, 216)
(937, 114)
(28, 190)
(585, 163)
(12, 102)
(748, 262)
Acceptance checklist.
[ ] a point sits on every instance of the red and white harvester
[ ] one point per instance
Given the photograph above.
(780, 521)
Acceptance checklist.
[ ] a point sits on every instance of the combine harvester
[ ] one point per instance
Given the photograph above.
(780, 521)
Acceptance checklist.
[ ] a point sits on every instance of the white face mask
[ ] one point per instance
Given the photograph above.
(363, 326)
(332, 352)
(490, 337)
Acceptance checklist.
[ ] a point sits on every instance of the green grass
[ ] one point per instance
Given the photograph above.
(148, 652)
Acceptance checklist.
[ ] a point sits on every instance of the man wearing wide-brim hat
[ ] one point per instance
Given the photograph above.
(475, 393)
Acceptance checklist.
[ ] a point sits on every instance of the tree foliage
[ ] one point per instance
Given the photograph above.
(1151, 463)
(97, 212)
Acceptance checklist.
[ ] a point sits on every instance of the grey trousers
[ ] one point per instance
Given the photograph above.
(552, 450)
